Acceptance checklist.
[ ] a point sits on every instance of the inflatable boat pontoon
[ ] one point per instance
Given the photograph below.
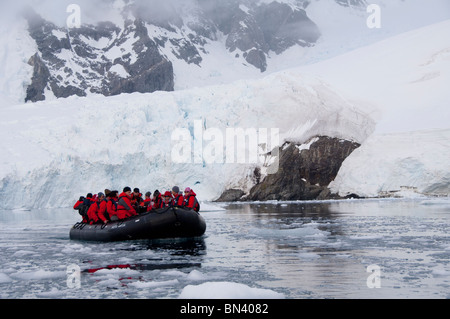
(159, 224)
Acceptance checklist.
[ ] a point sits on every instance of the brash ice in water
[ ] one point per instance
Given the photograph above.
(293, 250)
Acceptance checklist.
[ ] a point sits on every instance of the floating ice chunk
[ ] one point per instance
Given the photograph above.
(4, 278)
(173, 273)
(227, 290)
(116, 272)
(440, 272)
(153, 284)
(196, 275)
(76, 248)
(39, 275)
(53, 293)
(21, 253)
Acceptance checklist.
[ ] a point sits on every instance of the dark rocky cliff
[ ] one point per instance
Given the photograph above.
(253, 31)
(304, 172)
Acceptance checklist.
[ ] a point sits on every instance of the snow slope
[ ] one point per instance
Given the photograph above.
(15, 73)
(53, 152)
(345, 28)
(398, 164)
(404, 79)
(403, 82)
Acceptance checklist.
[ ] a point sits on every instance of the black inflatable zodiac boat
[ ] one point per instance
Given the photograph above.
(159, 224)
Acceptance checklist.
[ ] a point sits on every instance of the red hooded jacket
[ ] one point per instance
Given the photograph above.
(191, 201)
(124, 207)
(96, 212)
(178, 200)
(102, 211)
(111, 206)
(77, 204)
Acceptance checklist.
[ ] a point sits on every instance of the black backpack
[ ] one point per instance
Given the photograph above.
(84, 207)
(114, 203)
(196, 205)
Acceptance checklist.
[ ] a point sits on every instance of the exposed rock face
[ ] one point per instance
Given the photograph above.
(304, 173)
(231, 195)
(352, 3)
(39, 82)
(103, 59)
(136, 55)
(111, 59)
(254, 30)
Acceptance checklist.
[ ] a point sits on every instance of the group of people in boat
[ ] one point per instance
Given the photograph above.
(109, 206)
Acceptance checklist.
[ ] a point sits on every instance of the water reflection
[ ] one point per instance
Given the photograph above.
(270, 210)
(293, 215)
(322, 249)
(177, 247)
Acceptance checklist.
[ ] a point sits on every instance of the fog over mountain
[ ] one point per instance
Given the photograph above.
(126, 46)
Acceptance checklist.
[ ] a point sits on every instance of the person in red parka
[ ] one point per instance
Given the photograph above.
(111, 205)
(97, 210)
(136, 198)
(102, 209)
(143, 206)
(178, 199)
(124, 207)
(167, 200)
(156, 201)
(84, 207)
(78, 205)
(191, 200)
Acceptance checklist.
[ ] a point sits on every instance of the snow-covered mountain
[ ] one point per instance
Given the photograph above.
(134, 53)
(126, 46)
(58, 149)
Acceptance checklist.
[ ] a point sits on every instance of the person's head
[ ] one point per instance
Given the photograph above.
(167, 196)
(187, 191)
(113, 194)
(148, 195)
(136, 191)
(101, 196)
(89, 195)
(156, 194)
(127, 191)
(175, 190)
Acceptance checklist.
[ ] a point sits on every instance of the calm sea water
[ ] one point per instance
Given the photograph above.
(298, 249)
